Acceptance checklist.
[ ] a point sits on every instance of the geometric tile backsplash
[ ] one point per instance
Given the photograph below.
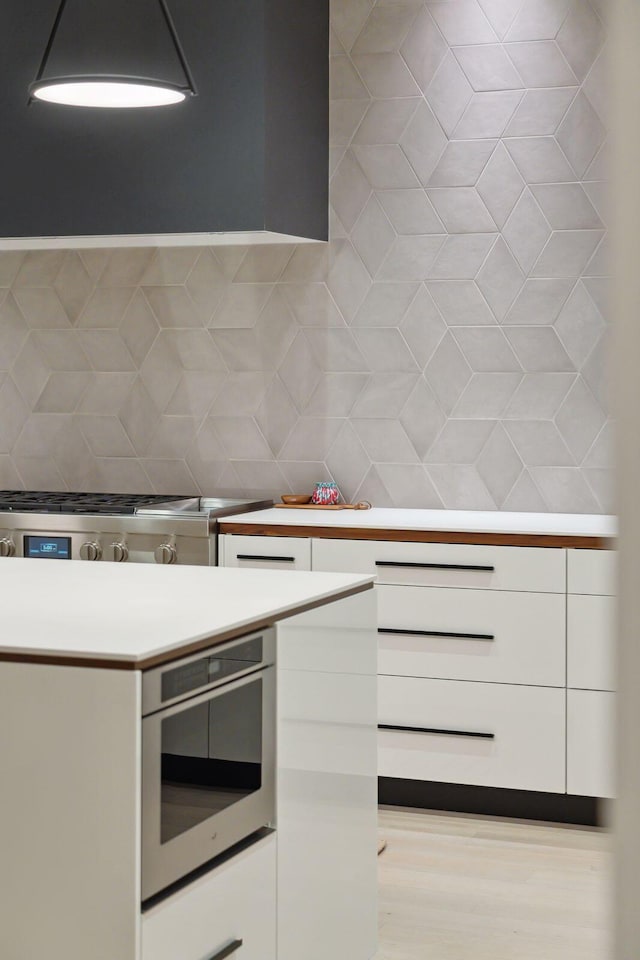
(447, 348)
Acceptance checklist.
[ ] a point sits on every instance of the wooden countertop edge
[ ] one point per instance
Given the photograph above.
(419, 536)
(104, 663)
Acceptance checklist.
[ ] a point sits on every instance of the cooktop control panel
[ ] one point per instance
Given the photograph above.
(100, 545)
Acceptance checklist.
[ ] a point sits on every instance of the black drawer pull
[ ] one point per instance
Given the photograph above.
(254, 556)
(435, 633)
(227, 951)
(435, 566)
(472, 734)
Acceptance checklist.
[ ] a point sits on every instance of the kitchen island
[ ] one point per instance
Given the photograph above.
(77, 643)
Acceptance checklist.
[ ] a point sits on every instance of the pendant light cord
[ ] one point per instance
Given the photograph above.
(49, 46)
(177, 45)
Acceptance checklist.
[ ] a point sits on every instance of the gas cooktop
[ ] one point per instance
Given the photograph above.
(26, 501)
(116, 527)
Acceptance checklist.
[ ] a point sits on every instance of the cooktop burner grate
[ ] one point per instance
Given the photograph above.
(26, 501)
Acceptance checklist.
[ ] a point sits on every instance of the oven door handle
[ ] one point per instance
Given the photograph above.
(211, 693)
(152, 696)
(227, 950)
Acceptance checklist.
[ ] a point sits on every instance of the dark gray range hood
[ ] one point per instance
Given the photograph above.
(247, 159)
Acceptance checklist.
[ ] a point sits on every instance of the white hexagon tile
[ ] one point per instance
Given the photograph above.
(447, 348)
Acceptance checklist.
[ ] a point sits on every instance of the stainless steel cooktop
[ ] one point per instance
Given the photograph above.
(42, 501)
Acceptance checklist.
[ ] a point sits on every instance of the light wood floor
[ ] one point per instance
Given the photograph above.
(453, 887)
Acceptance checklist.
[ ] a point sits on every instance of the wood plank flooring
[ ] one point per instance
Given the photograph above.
(454, 887)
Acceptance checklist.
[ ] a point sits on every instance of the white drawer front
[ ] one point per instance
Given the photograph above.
(592, 572)
(472, 635)
(530, 569)
(527, 726)
(591, 642)
(590, 743)
(267, 553)
(237, 902)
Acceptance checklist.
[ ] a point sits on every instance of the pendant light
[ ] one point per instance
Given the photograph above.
(106, 90)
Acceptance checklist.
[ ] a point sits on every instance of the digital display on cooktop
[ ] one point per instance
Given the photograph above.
(48, 548)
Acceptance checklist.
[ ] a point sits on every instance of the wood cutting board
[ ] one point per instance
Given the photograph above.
(322, 506)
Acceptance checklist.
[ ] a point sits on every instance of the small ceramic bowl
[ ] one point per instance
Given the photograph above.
(296, 498)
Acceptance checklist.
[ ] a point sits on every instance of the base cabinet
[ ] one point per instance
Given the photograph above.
(591, 672)
(460, 565)
(477, 635)
(266, 553)
(513, 641)
(327, 783)
(590, 743)
(487, 734)
(233, 907)
(592, 572)
(591, 643)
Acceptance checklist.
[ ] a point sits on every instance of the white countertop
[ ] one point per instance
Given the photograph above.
(132, 612)
(463, 521)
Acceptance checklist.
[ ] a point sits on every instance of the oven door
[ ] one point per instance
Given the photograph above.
(208, 776)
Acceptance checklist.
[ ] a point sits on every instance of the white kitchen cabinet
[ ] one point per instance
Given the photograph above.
(267, 553)
(69, 830)
(591, 642)
(590, 743)
(475, 629)
(591, 668)
(236, 904)
(525, 569)
(327, 784)
(591, 572)
(495, 735)
(487, 635)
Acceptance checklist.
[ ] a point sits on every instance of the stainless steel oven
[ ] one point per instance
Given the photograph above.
(208, 756)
